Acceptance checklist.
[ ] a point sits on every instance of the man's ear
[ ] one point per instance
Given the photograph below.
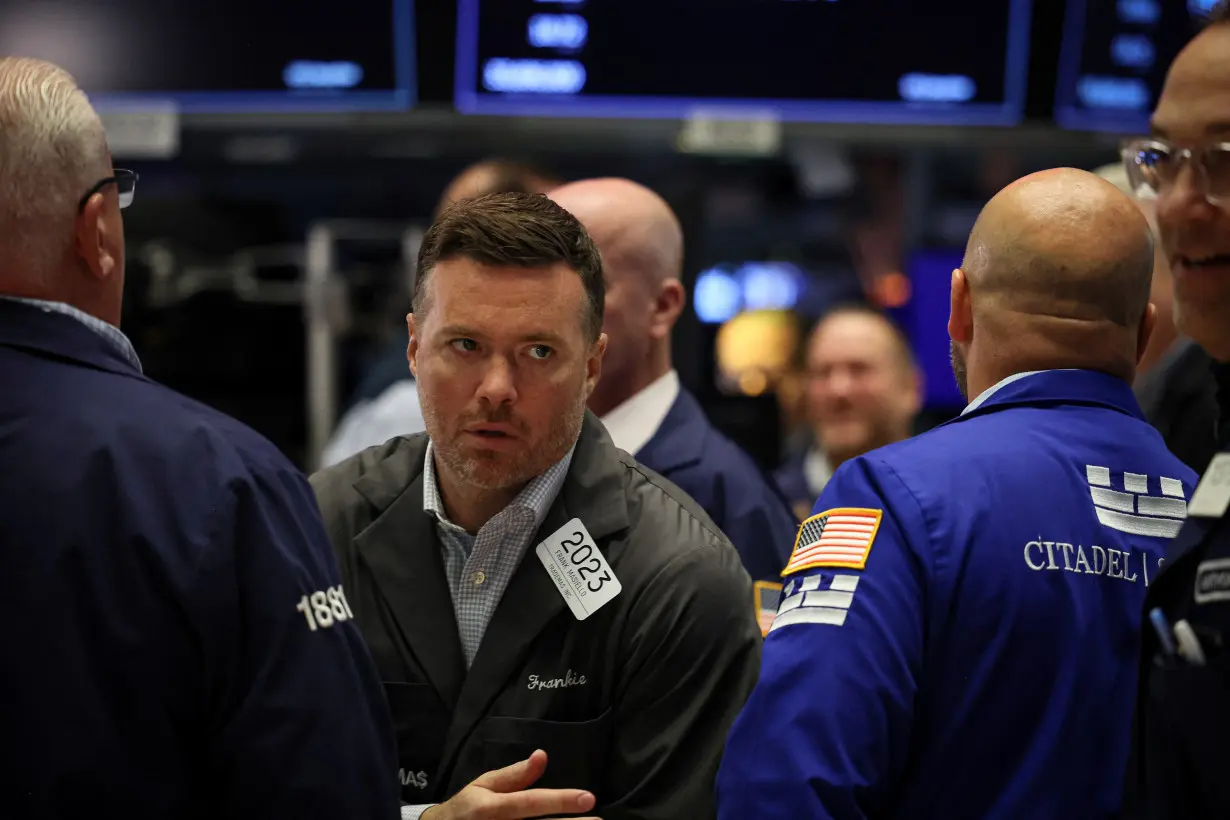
(593, 364)
(95, 245)
(1145, 332)
(960, 309)
(667, 306)
(412, 349)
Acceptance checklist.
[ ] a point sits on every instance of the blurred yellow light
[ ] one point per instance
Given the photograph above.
(758, 340)
(753, 383)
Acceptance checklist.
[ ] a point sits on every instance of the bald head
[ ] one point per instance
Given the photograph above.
(1063, 244)
(1056, 275)
(494, 176)
(630, 223)
(642, 257)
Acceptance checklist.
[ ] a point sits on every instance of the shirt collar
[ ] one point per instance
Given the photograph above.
(632, 424)
(1056, 387)
(536, 498)
(995, 388)
(108, 331)
(816, 469)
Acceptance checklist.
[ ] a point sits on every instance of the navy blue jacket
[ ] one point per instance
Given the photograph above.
(791, 480)
(176, 642)
(959, 630)
(1183, 714)
(722, 479)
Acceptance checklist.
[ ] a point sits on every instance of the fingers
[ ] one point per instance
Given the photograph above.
(504, 794)
(539, 803)
(516, 777)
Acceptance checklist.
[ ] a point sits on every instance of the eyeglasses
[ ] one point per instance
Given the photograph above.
(125, 185)
(1153, 165)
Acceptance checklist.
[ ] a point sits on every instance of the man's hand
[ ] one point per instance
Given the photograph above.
(503, 795)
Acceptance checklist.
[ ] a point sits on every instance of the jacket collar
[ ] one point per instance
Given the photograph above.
(633, 423)
(24, 326)
(1056, 387)
(680, 439)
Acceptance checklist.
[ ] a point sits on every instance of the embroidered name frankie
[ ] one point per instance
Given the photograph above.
(565, 682)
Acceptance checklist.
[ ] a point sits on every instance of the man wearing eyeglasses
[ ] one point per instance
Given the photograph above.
(176, 642)
(1183, 714)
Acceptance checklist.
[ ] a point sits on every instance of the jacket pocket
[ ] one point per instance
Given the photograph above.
(576, 750)
(1187, 725)
(420, 723)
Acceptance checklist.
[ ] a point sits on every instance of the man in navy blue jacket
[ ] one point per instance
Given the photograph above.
(961, 620)
(639, 398)
(177, 643)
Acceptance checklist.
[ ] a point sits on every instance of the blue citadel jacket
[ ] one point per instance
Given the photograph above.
(959, 630)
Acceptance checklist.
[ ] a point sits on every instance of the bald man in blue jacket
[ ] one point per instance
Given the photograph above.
(961, 618)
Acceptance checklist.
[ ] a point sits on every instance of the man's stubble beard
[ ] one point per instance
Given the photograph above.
(497, 470)
(959, 370)
(879, 433)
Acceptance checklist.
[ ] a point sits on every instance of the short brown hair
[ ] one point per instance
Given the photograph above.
(514, 229)
(1220, 14)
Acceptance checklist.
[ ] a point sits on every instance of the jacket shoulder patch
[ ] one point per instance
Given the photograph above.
(840, 537)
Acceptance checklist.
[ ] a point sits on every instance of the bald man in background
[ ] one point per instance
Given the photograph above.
(386, 403)
(961, 620)
(639, 397)
(862, 391)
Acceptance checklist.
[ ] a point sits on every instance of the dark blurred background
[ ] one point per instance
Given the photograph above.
(817, 151)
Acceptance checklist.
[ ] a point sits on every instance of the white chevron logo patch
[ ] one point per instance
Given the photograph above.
(1134, 509)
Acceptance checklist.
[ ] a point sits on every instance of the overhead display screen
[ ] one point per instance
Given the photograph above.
(223, 55)
(1114, 60)
(866, 61)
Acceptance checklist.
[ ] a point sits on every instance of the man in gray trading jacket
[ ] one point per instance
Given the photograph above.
(522, 583)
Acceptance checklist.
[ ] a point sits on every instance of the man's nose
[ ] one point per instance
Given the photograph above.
(840, 383)
(498, 385)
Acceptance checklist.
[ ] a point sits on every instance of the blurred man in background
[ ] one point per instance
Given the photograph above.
(386, 403)
(1184, 714)
(178, 642)
(639, 398)
(961, 619)
(862, 391)
(523, 583)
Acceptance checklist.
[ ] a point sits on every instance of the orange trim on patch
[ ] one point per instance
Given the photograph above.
(765, 616)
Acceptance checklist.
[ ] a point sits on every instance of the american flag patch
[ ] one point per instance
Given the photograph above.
(835, 538)
(767, 597)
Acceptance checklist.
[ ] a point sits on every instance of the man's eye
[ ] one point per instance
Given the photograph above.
(541, 352)
(464, 345)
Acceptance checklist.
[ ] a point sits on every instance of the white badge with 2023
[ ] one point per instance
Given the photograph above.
(579, 570)
(1212, 495)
